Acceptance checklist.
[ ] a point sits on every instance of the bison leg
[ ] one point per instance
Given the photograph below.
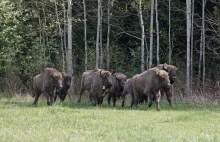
(149, 100)
(80, 94)
(100, 100)
(132, 100)
(158, 95)
(136, 99)
(37, 95)
(169, 96)
(48, 97)
(123, 100)
(96, 101)
(109, 98)
(114, 100)
(55, 97)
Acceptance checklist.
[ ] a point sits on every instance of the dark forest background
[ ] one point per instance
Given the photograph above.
(33, 36)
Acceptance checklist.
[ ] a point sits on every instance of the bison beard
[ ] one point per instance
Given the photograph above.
(149, 83)
(46, 83)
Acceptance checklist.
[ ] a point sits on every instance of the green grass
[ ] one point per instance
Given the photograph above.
(70, 121)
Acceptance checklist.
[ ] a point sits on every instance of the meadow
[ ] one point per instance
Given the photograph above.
(71, 121)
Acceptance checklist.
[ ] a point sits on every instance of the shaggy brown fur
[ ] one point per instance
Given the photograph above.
(46, 83)
(118, 82)
(149, 83)
(95, 82)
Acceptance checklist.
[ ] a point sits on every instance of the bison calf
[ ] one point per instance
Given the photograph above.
(118, 82)
(62, 92)
(47, 83)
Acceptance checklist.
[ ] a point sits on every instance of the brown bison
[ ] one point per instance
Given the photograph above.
(62, 92)
(127, 90)
(95, 82)
(47, 83)
(172, 76)
(149, 83)
(118, 82)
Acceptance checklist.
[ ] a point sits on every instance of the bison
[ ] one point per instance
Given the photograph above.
(127, 90)
(172, 76)
(118, 82)
(95, 82)
(47, 83)
(149, 83)
(62, 92)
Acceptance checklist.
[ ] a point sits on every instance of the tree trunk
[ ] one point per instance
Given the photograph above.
(100, 42)
(147, 53)
(151, 33)
(61, 39)
(108, 33)
(158, 36)
(188, 28)
(85, 35)
(42, 48)
(200, 61)
(170, 49)
(64, 27)
(69, 58)
(191, 63)
(97, 36)
(203, 42)
(142, 36)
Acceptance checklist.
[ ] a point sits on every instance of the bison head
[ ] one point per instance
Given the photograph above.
(107, 79)
(57, 76)
(171, 71)
(66, 79)
(121, 79)
(164, 79)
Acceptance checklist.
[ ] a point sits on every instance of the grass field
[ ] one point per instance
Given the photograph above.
(70, 121)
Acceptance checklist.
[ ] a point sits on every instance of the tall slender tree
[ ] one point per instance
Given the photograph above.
(110, 4)
(200, 61)
(142, 36)
(61, 38)
(85, 35)
(188, 30)
(100, 42)
(69, 58)
(203, 42)
(97, 35)
(170, 49)
(151, 33)
(191, 55)
(158, 36)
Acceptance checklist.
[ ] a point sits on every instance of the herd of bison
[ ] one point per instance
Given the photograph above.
(144, 87)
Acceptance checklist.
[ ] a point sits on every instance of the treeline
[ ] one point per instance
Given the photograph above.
(131, 35)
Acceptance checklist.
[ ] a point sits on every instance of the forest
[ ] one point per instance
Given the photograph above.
(127, 36)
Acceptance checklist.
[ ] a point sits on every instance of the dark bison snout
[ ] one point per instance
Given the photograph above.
(172, 79)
